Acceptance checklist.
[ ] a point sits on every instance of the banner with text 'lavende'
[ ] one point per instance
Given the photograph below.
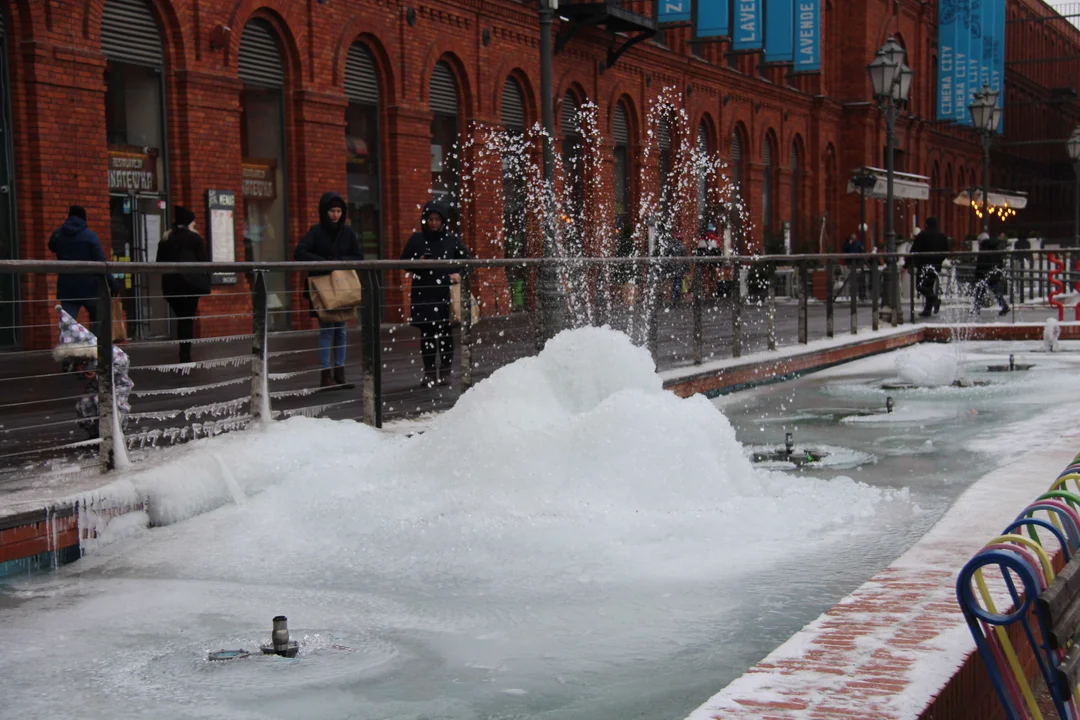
(748, 32)
(808, 36)
(711, 18)
(780, 31)
(674, 11)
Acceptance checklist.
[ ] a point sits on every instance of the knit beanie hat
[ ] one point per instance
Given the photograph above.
(182, 216)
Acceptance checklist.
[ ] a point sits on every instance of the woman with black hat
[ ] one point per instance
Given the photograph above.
(183, 290)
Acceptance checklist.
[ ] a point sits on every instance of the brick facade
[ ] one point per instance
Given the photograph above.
(825, 120)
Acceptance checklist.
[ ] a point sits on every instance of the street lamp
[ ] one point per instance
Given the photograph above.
(890, 78)
(550, 299)
(985, 116)
(1073, 146)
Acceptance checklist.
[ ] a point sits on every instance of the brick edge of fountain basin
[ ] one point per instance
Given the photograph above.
(898, 647)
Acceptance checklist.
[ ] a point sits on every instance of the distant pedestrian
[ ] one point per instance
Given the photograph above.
(854, 246)
(429, 307)
(182, 290)
(928, 251)
(74, 241)
(330, 239)
(990, 272)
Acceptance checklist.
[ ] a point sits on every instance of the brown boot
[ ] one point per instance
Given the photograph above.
(339, 379)
(327, 379)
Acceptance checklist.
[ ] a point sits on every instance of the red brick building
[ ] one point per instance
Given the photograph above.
(130, 107)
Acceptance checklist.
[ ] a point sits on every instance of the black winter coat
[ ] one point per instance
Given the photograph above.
(927, 245)
(77, 242)
(988, 263)
(183, 245)
(430, 298)
(327, 241)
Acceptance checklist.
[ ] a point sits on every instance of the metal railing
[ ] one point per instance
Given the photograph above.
(255, 353)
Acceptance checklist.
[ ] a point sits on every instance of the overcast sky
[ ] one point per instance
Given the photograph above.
(1067, 7)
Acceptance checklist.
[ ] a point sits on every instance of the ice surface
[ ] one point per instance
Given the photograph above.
(565, 531)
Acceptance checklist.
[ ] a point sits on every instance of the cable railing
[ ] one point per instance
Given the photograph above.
(256, 350)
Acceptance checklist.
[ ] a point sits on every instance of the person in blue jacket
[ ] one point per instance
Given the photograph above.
(75, 241)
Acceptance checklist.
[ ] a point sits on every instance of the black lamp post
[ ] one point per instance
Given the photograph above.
(890, 78)
(1073, 146)
(550, 298)
(985, 116)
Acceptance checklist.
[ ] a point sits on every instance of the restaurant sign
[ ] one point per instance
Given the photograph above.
(132, 172)
(260, 179)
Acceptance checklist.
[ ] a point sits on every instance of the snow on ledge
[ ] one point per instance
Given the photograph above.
(891, 646)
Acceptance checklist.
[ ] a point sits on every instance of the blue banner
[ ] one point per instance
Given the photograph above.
(995, 25)
(962, 34)
(946, 71)
(674, 11)
(808, 36)
(780, 31)
(747, 35)
(712, 18)
(975, 51)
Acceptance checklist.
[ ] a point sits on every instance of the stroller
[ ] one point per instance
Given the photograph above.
(77, 353)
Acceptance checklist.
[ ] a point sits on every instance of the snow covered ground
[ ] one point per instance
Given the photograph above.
(568, 541)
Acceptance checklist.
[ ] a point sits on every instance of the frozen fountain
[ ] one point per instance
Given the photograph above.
(587, 219)
(1012, 366)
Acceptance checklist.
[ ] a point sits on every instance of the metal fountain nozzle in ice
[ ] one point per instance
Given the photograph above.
(1012, 362)
(280, 644)
(789, 443)
(889, 404)
(280, 636)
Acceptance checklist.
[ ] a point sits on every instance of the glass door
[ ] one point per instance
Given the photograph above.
(137, 222)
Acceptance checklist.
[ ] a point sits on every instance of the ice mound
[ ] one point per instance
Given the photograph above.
(1052, 335)
(929, 365)
(573, 466)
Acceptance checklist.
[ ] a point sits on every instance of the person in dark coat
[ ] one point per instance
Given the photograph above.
(330, 239)
(990, 272)
(183, 290)
(430, 298)
(927, 251)
(854, 246)
(75, 241)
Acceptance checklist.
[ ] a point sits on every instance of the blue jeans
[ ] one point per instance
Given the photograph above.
(72, 307)
(331, 334)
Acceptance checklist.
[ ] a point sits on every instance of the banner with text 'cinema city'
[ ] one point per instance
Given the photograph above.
(971, 53)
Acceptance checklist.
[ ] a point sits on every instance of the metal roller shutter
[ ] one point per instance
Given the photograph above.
(444, 98)
(129, 33)
(361, 79)
(620, 128)
(794, 158)
(736, 148)
(513, 105)
(569, 118)
(703, 138)
(260, 56)
(665, 133)
(766, 154)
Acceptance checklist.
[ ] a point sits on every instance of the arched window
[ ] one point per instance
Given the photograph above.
(796, 188)
(620, 130)
(262, 149)
(767, 185)
(573, 157)
(362, 145)
(515, 188)
(444, 137)
(737, 161)
(702, 180)
(138, 168)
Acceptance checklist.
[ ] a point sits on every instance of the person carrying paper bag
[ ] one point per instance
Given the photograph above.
(331, 239)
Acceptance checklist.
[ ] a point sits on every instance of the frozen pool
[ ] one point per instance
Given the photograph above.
(569, 542)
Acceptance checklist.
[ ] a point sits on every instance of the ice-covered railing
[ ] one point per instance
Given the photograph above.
(255, 356)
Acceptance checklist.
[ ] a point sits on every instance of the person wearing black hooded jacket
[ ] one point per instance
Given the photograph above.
(183, 290)
(75, 241)
(430, 298)
(928, 258)
(330, 239)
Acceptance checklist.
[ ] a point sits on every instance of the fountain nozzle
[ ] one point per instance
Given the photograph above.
(1012, 362)
(280, 644)
(889, 405)
(789, 443)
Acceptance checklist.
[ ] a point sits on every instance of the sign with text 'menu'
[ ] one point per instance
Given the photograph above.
(971, 53)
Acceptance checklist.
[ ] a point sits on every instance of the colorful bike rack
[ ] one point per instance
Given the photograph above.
(1056, 286)
(1026, 570)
